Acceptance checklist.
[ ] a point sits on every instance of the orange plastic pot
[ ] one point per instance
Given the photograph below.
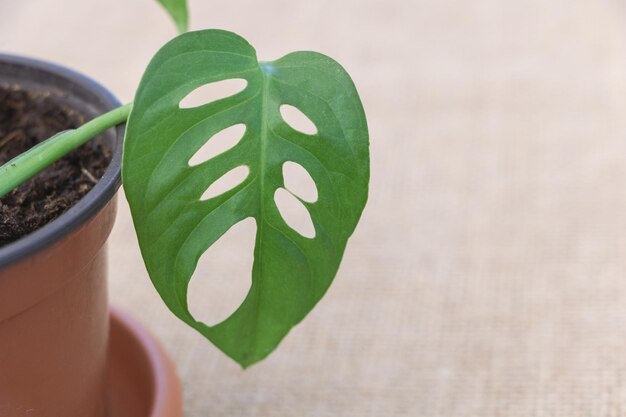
(55, 349)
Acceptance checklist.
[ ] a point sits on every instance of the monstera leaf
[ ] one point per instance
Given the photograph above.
(175, 224)
(178, 11)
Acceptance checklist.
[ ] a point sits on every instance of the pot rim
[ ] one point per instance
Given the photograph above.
(70, 81)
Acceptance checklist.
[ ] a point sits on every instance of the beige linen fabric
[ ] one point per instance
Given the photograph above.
(488, 275)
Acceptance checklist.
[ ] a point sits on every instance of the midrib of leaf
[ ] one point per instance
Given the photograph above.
(261, 222)
(263, 139)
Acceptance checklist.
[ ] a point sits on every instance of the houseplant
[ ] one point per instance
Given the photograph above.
(175, 224)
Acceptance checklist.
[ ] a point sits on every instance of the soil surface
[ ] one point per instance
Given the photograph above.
(26, 118)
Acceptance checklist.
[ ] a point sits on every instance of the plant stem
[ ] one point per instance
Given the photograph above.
(25, 166)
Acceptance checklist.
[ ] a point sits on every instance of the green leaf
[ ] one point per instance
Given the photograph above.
(290, 272)
(178, 11)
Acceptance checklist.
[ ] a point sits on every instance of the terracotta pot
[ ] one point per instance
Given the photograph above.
(54, 319)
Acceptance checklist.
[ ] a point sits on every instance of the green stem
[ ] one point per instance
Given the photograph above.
(25, 166)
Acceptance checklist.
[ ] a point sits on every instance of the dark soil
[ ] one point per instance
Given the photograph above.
(26, 118)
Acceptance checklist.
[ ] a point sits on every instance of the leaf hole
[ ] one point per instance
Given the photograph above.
(298, 180)
(294, 117)
(294, 213)
(218, 143)
(226, 182)
(222, 278)
(210, 92)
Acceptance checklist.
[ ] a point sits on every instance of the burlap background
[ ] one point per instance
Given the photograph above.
(488, 275)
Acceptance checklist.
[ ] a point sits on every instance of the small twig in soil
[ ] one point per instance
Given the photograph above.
(11, 136)
(88, 175)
